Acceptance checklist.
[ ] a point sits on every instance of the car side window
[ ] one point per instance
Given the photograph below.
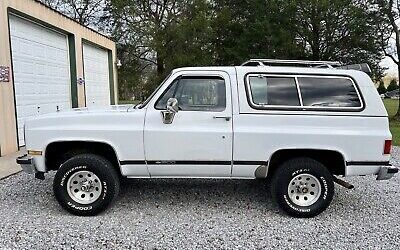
(169, 93)
(196, 93)
(274, 91)
(328, 92)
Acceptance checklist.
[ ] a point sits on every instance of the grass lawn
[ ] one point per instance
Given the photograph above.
(391, 107)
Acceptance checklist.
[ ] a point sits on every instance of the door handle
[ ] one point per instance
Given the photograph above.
(227, 118)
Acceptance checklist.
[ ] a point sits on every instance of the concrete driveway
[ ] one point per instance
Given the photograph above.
(8, 166)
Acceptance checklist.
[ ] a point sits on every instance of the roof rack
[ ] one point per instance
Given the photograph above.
(305, 63)
(266, 62)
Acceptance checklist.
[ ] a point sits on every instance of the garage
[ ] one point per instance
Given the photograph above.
(97, 83)
(41, 70)
(49, 63)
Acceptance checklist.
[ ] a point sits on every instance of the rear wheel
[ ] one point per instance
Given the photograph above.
(86, 184)
(302, 187)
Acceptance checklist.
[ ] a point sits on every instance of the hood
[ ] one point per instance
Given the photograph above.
(91, 124)
(86, 110)
(111, 108)
(82, 113)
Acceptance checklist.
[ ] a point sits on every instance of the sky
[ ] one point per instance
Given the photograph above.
(387, 62)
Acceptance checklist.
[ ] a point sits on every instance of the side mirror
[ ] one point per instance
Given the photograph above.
(169, 114)
(172, 105)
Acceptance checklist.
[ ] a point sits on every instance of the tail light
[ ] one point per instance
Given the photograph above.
(387, 147)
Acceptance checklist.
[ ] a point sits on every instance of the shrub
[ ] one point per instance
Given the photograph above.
(381, 88)
(392, 85)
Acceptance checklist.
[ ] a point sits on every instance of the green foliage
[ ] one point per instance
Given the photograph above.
(156, 36)
(392, 85)
(381, 88)
(246, 29)
(340, 30)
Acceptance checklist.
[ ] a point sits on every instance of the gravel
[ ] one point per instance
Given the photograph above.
(206, 214)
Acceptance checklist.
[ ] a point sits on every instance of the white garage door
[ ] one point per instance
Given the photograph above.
(97, 82)
(41, 70)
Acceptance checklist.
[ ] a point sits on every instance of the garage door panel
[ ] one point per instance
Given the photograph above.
(41, 70)
(97, 85)
(36, 34)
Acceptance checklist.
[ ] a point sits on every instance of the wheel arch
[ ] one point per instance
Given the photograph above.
(334, 160)
(58, 152)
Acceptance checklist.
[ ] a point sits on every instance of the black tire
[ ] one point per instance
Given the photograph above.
(302, 167)
(107, 177)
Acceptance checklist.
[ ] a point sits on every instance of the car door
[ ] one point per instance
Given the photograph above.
(198, 140)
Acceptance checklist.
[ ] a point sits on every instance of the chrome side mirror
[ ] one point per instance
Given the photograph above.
(169, 114)
(172, 105)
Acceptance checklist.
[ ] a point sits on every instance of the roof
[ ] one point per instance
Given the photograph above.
(243, 70)
(287, 69)
(95, 31)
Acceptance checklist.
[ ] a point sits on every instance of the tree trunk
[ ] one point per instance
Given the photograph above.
(397, 115)
(397, 33)
(160, 64)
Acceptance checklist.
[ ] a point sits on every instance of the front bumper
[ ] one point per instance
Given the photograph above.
(386, 172)
(27, 164)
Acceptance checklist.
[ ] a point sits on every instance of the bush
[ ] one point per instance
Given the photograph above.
(381, 88)
(392, 85)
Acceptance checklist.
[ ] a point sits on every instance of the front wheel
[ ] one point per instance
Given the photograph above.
(86, 184)
(302, 187)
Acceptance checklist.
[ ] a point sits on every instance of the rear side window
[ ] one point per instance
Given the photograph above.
(305, 92)
(328, 92)
(274, 91)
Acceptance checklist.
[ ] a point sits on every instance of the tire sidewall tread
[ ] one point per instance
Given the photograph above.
(296, 166)
(99, 166)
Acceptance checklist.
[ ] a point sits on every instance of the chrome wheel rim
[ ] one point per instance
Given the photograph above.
(84, 187)
(304, 190)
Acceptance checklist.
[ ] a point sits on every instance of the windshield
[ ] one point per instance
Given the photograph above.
(143, 104)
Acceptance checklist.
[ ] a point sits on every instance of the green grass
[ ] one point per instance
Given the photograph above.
(391, 107)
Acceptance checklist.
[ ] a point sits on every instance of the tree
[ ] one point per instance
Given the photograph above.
(381, 88)
(390, 36)
(155, 36)
(161, 35)
(253, 29)
(86, 12)
(392, 85)
(339, 30)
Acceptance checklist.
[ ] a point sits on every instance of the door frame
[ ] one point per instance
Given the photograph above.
(229, 109)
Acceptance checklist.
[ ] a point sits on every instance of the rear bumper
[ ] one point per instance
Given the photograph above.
(387, 172)
(27, 164)
(383, 170)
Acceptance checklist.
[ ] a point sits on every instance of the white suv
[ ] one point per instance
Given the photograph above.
(297, 127)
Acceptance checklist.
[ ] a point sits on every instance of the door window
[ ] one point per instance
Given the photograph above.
(195, 93)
